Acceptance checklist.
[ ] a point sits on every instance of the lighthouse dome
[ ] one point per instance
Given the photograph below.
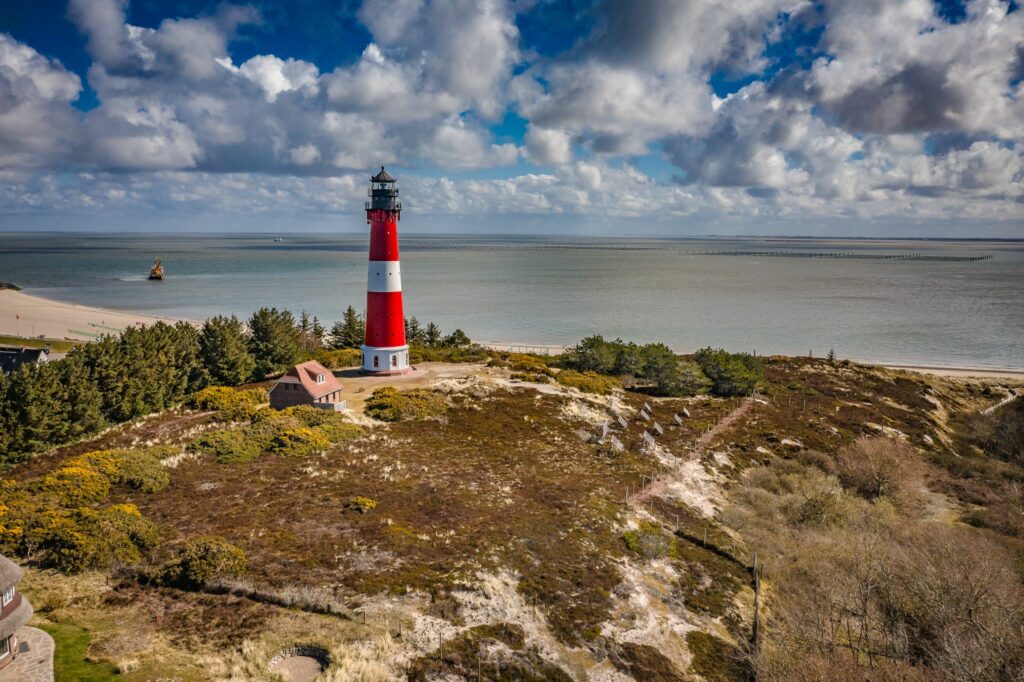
(383, 176)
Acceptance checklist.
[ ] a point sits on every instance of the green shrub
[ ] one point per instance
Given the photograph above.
(300, 442)
(229, 447)
(75, 485)
(532, 378)
(230, 404)
(361, 504)
(521, 362)
(75, 539)
(648, 541)
(312, 416)
(447, 354)
(391, 405)
(138, 469)
(588, 382)
(338, 358)
(202, 561)
(730, 373)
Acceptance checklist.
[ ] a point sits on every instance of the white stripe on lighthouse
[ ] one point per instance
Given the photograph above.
(384, 276)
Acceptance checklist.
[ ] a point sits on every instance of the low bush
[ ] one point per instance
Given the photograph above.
(521, 362)
(76, 485)
(72, 540)
(361, 504)
(878, 466)
(391, 405)
(138, 469)
(471, 353)
(588, 382)
(338, 358)
(230, 404)
(300, 442)
(229, 447)
(531, 378)
(649, 542)
(201, 561)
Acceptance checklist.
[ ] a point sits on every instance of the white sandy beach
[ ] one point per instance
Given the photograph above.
(31, 316)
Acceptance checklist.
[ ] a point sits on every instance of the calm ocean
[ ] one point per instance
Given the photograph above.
(557, 290)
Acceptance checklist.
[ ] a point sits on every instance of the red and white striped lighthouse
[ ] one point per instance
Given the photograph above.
(384, 348)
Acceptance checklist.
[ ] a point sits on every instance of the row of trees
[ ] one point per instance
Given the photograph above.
(656, 365)
(148, 369)
(349, 331)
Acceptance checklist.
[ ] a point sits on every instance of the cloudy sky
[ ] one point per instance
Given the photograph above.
(631, 117)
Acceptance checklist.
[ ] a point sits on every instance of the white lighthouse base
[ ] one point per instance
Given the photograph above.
(385, 360)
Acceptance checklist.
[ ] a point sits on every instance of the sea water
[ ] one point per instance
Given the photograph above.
(554, 291)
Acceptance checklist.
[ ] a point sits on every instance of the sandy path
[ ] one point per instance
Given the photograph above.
(31, 316)
(1011, 395)
(660, 485)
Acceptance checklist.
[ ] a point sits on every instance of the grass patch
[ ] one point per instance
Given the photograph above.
(55, 345)
(71, 658)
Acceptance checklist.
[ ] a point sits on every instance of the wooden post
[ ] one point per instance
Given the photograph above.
(757, 605)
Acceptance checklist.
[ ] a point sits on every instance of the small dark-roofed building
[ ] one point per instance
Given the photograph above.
(15, 611)
(309, 383)
(13, 357)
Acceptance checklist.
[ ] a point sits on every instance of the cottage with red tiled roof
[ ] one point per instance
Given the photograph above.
(309, 383)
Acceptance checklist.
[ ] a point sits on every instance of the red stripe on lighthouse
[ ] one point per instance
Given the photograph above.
(385, 321)
(383, 235)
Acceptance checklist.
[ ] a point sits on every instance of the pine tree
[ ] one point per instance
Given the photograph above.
(273, 341)
(307, 336)
(224, 350)
(432, 337)
(831, 357)
(414, 333)
(349, 332)
(319, 333)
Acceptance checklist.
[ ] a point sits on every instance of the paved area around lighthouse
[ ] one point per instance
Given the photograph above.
(35, 660)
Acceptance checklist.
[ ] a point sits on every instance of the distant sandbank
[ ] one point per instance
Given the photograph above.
(36, 317)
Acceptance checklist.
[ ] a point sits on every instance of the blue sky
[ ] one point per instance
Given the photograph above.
(632, 117)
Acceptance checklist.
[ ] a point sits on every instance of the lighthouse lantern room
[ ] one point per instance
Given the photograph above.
(384, 348)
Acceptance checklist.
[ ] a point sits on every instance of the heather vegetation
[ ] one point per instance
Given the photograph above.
(476, 527)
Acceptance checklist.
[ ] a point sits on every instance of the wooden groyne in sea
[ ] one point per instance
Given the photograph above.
(843, 254)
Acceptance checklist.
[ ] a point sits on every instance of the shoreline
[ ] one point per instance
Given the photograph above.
(37, 318)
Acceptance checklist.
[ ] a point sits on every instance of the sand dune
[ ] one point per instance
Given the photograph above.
(32, 316)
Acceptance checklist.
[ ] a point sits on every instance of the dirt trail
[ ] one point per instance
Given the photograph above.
(659, 486)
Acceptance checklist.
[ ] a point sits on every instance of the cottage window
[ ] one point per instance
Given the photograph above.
(8, 596)
(319, 378)
(5, 647)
